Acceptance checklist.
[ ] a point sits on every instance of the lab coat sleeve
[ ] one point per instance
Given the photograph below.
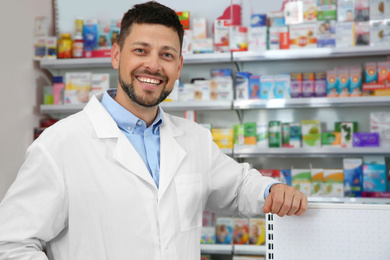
(235, 188)
(35, 207)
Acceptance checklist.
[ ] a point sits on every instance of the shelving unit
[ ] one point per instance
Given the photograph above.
(219, 249)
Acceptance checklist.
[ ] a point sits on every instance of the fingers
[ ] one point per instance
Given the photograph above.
(285, 200)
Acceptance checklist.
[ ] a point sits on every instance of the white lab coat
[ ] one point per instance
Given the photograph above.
(84, 189)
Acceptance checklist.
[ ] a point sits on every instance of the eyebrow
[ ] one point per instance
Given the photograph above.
(144, 44)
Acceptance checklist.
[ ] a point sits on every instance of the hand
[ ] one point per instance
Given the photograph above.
(285, 200)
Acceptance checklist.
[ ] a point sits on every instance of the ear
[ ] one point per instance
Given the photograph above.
(180, 67)
(115, 53)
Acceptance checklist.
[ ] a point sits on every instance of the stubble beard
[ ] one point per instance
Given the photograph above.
(147, 101)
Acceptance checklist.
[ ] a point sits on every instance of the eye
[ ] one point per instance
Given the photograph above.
(140, 50)
(168, 55)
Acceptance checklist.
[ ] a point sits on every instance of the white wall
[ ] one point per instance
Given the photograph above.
(21, 83)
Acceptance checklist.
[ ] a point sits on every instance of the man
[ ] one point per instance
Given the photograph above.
(122, 179)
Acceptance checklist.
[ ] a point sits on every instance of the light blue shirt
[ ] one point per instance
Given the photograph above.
(146, 140)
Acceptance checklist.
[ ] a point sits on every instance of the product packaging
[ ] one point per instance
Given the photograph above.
(331, 139)
(311, 133)
(273, 38)
(250, 133)
(332, 83)
(345, 10)
(377, 9)
(284, 38)
(347, 129)
(282, 86)
(303, 36)
(51, 47)
(103, 36)
(48, 98)
(186, 92)
(317, 182)
(221, 88)
(309, 11)
(274, 134)
(41, 26)
(262, 134)
(100, 82)
(221, 35)
(343, 81)
(174, 95)
(308, 84)
(295, 135)
(202, 90)
(238, 134)
(286, 135)
(40, 49)
(257, 231)
(238, 40)
(115, 28)
(223, 137)
(191, 115)
(362, 10)
(242, 85)
(320, 84)
(224, 230)
(221, 72)
(285, 176)
(77, 87)
(254, 87)
(184, 18)
(333, 183)
(326, 34)
(345, 34)
(370, 73)
(202, 45)
(276, 19)
(187, 42)
(374, 174)
(366, 140)
(296, 85)
(267, 84)
(326, 12)
(207, 235)
(362, 33)
(383, 72)
(355, 81)
(240, 231)
(293, 12)
(199, 28)
(353, 177)
(272, 173)
(257, 38)
(301, 180)
(380, 123)
(58, 90)
(90, 36)
(377, 33)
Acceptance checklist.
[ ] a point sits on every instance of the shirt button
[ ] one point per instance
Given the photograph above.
(129, 128)
(139, 123)
(154, 172)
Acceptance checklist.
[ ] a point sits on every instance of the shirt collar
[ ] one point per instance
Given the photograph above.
(124, 118)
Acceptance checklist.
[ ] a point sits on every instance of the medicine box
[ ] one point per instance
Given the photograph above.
(207, 235)
(308, 84)
(320, 84)
(353, 177)
(370, 72)
(273, 38)
(184, 17)
(274, 134)
(254, 87)
(377, 9)
(242, 85)
(224, 230)
(221, 35)
(100, 82)
(309, 11)
(282, 86)
(199, 27)
(202, 45)
(257, 38)
(77, 87)
(286, 135)
(262, 134)
(374, 174)
(202, 90)
(380, 123)
(326, 12)
(317, 182)
(301, 180)
(187, 41)
(362, 10)
(240, 231)
(266, 87)
(332, 83)
(238, 134)
(343, 81)
(326, 34)
(238, 40)
(257, 231)
(250, 133)
(331, 139)
(296, 85)
(377, 33)
(355, 81)
(311, 133)
(333, 183)
(295, 135)
(366, 140)
(345, 10)
(303, 36)
(345, 34)
(362, 33)
(285, 176)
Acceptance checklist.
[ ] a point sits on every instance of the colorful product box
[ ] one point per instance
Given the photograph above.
(285, 176)
(347, 131)
(207, 235)
(266, 87)
(187, 41)
(320, 84)
(366, 140)
(345, 34)
(184, 18)
(186, 92)
(115, 28)
(317, 182)
(311, 133)
(362, 33)
(284, 38)
(301, 180)
(282, 86)
(273, 38)
(362, 10)
(221, 72)
(250, 133)
(326, 34)
(308, 84)
(242, 85)
(274, 134)
(258, 20)
(272, 173)
(90, 35)
(378, 33)
(103, 36)
(257, 39)
(276, 19)
(383, 72)
(238, 134)
(333, 183)
(374, 174)
(238, 40)
(343, 81)
(221, 35)
(296, 85)
(326, 12)
(355, 81)
(202, 90)
(293, 12)
(286, 135)
(309, 11)
(377, 9)
(58, 90)
(380, 123)
(331, 139)
(100, 82)
(202, 45)
(223, 87)
(240, 231)
(332, 83)
(199, 28)
(254, 87)
(303, 36)
(370, 73)
(345, 10)
(295, 135)
(262, 135)
(353, 177)
(224, 231)
(77, 87)
(257, 231)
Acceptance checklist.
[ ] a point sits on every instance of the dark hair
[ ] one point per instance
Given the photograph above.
(150, 13)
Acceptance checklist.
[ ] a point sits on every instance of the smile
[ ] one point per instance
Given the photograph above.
(149, 81)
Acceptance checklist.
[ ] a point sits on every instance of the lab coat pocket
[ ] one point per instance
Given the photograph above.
(189, 198)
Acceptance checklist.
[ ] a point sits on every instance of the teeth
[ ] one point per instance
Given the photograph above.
(149, 81)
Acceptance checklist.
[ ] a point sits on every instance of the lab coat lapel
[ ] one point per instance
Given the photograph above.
(124, 152)
(171, 153)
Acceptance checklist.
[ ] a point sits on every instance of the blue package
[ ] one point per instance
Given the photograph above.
(285, 176)
(353, 177)
(374, 174)
(267, 87)
(254, 87)
(221, 72)
(258, 20)
(90, 36)
(242, 85)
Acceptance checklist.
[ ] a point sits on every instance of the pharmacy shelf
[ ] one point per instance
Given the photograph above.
(249, 250)
(216, 249)
(314, 53)
(348, 200)
(249, 151)
(106, 62)
(167, 106)
(311, 102)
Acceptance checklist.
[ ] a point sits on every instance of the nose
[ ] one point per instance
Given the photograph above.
(153, 63)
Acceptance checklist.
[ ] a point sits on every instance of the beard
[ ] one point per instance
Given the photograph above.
(147, 100)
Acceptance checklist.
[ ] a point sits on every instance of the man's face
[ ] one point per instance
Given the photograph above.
(149, 63)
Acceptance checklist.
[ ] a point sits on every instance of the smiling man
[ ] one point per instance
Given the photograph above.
(124, 180)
